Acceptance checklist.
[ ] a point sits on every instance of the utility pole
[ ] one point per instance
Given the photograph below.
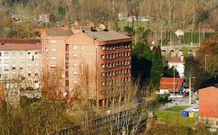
(96, 75)
(190, 86)
(190, 83)
(174, 74)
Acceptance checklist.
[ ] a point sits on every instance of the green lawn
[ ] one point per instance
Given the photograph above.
(173, 116)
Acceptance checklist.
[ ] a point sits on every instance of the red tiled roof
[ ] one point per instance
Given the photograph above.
(10, 47)
(170, 83)
(176, 59)
(20, 44)
(21, 41)
(208, 102)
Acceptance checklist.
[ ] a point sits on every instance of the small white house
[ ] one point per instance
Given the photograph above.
(178, 63)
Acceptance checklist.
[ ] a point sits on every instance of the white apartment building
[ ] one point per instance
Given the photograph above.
(21, 60)
(178, 63)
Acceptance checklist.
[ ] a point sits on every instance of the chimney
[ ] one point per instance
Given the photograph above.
(182, 58)
(93, 29)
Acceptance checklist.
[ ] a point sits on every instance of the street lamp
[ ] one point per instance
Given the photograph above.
(190, 86)
(96, 75)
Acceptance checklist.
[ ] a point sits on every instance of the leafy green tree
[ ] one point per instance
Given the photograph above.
(147, 64)
(169, 72)
(208, 56)
(185, 51)
(194, 68)
(61, 12)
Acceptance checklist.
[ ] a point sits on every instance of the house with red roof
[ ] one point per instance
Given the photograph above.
(208, 106)
(171, 85)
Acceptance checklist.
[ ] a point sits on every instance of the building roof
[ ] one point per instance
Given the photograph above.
(171, 83)
(14, 44)
(177, 59)
(208, 102)
(106, 35)
(209, 88)
(21, 41)
(58, 32)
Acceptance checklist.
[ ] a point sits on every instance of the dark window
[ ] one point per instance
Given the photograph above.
(67, 74)
(67, 47)
(67, 82)
(100, 103)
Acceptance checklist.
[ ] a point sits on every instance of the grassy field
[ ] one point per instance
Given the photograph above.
(173, 116)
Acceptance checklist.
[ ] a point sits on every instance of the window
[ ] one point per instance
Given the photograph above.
(22, 60)
(103, 83)
(6, 61)
(36, 67)
(75, 64)
(36, 58)
(28, 52)
(6, 68)
(53, 50)
(67, 82)
(36, 81)
(75, 55)
(66, 74)
(75, 73)
(53, 58)
(53, 41)
(36, 52)
(75, 82)
(0, 53)
(29, 74)
(52, 66)
(74, 47)
(67, 47)
(103, 56)
(13, 53)
(6, 53)
(13, 68)
(29, 67)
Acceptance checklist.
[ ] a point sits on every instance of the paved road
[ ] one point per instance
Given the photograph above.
(181, 101)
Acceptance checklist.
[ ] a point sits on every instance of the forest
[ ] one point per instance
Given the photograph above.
(164, 15)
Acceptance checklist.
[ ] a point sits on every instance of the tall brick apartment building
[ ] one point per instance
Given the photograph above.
(98, 59)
